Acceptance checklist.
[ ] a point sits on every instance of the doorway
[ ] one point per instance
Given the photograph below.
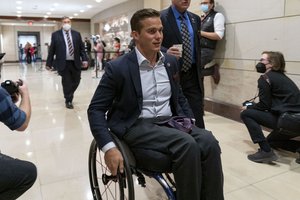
(28, 37)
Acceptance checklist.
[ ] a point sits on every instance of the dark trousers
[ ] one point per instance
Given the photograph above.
(254, 119)
(284, 140)
(70, 80)
(28, 58)
(207, 55)
(195, 157)
(16, 177)
(193, 92)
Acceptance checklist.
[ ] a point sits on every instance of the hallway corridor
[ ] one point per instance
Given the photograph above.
(57, 141)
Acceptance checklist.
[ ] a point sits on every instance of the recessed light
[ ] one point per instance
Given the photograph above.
(19, 7)
(81, 11)
(48, 13)
(89, 6)
(75, 14)
(46, 16)
(98, 1)
(19, 2)
(56, 4)
(19, 12)
(19, 15)
(52, 9)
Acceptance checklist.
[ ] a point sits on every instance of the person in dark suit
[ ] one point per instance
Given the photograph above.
(191, 81)
(68, 50)
(140, 90)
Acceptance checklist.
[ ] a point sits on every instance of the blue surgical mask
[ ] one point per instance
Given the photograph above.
(204, 7)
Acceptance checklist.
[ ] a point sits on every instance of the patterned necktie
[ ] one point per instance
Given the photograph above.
(70, 45)
(186, 45)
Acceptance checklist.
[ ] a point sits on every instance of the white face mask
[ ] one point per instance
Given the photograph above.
(67, 27)
(204, 8)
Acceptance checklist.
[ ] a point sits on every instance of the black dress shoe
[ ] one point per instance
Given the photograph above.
(216, 75)
(69, 105)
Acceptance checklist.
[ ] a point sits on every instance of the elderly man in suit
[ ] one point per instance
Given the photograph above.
(182, 27)
(67, 54)
(140, 90)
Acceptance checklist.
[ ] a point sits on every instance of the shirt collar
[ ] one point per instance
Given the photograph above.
(143, 61)
(177, 14)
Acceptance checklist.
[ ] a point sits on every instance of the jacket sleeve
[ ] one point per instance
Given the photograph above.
(100, 104)
(184, 106)
(264, 94)
(81, 49)
(51, 51)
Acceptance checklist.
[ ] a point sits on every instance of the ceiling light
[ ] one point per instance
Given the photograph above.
(56, 4)
(89, 6)
(81, 11)
(48, 13)
(19, 2)
(98, 1)
(19, 7)
(19, 12)
(46, 16)
(52, 9)
(19, 15)
(75, 14)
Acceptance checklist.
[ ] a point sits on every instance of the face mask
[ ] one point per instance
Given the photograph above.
(204, 7)
(67, 27)
(261, 67)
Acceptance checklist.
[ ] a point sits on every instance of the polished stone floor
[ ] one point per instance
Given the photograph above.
(58, 141)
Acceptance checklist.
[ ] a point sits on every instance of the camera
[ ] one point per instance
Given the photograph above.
(247, 103)
(12, 88)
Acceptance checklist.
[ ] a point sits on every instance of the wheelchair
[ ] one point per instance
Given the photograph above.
(104, 186)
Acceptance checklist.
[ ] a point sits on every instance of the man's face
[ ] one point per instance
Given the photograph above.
(150, 36)
(66, 21)
(207, 2)
(181, 5)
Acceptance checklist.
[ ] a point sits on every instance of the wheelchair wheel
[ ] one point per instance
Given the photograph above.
(104, 186)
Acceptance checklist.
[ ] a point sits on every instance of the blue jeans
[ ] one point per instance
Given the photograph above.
(16, 177)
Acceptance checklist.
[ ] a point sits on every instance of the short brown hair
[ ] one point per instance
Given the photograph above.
(139, 16)
(65, 17)
(277, 60)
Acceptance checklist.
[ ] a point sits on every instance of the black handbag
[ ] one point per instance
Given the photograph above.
(289, 121)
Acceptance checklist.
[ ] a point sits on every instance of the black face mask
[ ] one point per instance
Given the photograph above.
(261, 67)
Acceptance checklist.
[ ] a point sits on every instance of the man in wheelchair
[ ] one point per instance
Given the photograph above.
(140, 93)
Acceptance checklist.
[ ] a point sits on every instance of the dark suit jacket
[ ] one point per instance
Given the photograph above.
(57, 51)
(120, 93)
(172, 34)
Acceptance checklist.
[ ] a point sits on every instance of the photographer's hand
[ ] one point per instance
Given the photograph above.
(25, 103)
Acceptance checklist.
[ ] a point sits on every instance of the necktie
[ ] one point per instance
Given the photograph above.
(70, 45)
(186, 45)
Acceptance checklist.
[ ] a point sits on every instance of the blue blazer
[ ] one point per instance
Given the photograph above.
(172, 35)
(120, 93)
(57, 51)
